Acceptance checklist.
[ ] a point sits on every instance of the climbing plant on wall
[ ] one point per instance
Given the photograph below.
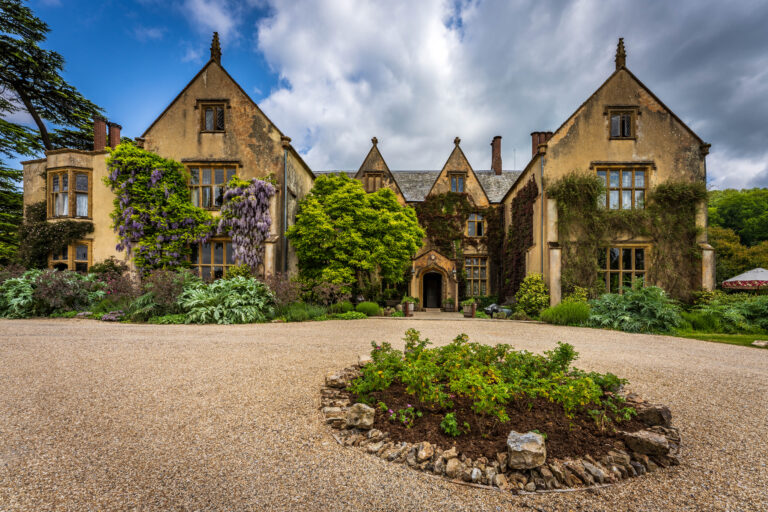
(519, 238)
(154, 217)
(668, 221)
(39, 238)
(444, 218)
(245, 218)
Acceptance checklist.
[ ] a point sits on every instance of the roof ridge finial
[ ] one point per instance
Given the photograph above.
(621, 55)
(457, 141)
(216, 48)
(374, 141)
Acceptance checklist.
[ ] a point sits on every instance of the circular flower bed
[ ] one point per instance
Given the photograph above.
(497, 417)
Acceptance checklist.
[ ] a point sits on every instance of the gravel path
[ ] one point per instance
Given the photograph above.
(98, 416)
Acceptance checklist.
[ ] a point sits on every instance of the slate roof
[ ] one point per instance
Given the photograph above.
(415, 185)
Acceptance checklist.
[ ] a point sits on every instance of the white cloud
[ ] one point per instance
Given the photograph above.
(144, 34)
(416, 74)
(192, 54)
(728, 170)
(208, 16)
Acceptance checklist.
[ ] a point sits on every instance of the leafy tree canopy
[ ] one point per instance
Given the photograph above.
(344, 235)
(734, 258)
(31, 81)
(743, 211)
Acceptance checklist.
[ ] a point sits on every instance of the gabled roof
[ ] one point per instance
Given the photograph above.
(210, 63)
(415, 185)
(458, 153)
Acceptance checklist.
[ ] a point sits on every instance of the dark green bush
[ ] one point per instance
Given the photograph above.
(532, 297)
(566, 313)
(639, 309)
(369, 308)
(342, 307)
(301, 312)
(702, 322)
(733, 314)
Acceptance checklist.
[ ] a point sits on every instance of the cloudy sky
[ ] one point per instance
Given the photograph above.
(332, 74)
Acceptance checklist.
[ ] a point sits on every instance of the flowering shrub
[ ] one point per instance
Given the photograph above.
(245, 218)
(286, 290)
(489, 377)
(154, 218)
(532, 296)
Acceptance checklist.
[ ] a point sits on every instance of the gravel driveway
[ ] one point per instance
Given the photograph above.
(98, 416)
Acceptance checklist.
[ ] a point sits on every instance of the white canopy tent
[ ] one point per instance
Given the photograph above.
(754, 279)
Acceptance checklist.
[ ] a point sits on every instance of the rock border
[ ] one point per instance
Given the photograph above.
(645, 451)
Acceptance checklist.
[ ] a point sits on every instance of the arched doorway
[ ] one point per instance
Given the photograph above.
(433, 289)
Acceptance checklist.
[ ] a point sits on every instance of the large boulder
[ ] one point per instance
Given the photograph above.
(653, 415)
(526, 451)
(646, 442)
(360, 416)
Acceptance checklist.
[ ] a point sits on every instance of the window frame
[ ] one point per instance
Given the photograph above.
(196, 189)
(633, 188)
(198, 266)
(72, 192)
(71, 259)
(375, 178)
(477, 222)
(605, 271)
(631, 112)
(482, 280)
(217, 106)
(458, 176)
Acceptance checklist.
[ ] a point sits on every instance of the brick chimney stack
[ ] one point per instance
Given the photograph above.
(496, 154)
(539, 138)
(99, 133)
(114, 134)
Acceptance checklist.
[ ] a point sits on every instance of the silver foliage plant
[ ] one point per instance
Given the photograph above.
(245, 218)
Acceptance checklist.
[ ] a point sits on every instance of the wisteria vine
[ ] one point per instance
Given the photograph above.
(154, 218)
(245, 218)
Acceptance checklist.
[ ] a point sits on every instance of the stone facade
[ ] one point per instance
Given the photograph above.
(655, 140)
(212, 125)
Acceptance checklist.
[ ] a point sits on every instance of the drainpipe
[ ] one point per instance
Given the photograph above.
(284, 240)
(541, 207)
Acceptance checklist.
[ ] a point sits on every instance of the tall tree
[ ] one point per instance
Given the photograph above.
(31, 82)
(743, 211)
(343, 235)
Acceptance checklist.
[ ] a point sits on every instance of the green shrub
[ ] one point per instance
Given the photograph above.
(738, 313)
(369, 308)
(41, 293)
(349, 315)
(532, 297)
(398, 314)
(702, 322)
(162, 289)
(241, 270)
(489, 377)
(168, 319)
(227, 301)
(483, 301)
(566, 313)
(500, 315)
(579, 294)
(481, 314)
(301, 312)
(342, 307)
(639, 309)
(520, 315)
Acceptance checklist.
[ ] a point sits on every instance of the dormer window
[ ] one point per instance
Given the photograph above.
(457, 182)
(622, 122)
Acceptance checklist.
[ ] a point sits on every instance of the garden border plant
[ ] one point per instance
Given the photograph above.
(434, 381)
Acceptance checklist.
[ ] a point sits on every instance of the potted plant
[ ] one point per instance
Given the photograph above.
(409, 304)
(448, 304)
(470, 306)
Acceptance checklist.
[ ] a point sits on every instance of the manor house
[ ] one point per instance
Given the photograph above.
(622, 133)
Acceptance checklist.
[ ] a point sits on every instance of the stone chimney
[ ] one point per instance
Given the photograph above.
(539, 138)
(114, 134)
(216, 48)
(99, 133)
(496, 154)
